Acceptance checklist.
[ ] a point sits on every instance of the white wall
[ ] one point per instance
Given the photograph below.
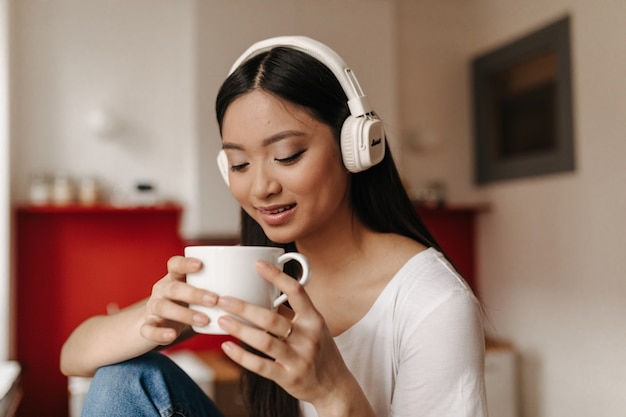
(5, 251)
(155, 65)
(133, 59)
(551, 266)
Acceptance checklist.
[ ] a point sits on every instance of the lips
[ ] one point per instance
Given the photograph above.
(276, 215)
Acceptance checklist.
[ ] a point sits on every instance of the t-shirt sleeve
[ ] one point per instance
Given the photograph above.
(441, 361)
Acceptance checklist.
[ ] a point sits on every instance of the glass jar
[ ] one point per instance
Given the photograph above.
(62, 190)
(39, 191)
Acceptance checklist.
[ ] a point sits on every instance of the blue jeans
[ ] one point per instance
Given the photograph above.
(149, 385)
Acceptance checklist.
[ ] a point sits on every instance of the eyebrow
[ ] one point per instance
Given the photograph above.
(267, 141)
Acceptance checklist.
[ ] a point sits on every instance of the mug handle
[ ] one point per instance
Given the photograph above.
(306, 272)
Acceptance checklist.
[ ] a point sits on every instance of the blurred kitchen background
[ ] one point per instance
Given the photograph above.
(117, 98)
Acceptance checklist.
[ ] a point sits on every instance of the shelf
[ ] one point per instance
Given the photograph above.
(471, 207)
(97, 208)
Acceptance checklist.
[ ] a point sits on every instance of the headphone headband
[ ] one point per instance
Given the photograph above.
(362, 137)
(357, 100)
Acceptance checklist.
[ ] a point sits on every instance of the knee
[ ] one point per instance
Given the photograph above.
(132, 369)
(139, 382)
(150, 384)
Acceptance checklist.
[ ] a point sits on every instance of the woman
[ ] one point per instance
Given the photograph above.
(385, 328)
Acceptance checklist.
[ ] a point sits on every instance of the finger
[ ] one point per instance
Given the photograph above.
(158, 335)
(264, 367)
(254, 337)
(297, 296)
(183, 293)
(164, 309)
(179, 266)
(265, 319)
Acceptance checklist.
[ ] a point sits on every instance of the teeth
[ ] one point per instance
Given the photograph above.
(280, 210)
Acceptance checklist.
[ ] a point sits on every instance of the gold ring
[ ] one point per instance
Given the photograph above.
(286, 336)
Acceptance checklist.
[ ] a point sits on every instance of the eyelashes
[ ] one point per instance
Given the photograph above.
(239, 167)
(291, 159)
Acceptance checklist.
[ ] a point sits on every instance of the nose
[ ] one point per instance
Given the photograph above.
(265, 183)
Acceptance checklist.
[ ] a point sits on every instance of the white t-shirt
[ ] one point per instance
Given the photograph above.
(419, 350)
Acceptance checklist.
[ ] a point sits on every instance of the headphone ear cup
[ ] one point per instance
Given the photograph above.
(222, 165)
(349, 143)
(362, 143)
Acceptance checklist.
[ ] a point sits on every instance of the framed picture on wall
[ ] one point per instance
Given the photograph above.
(522, 102)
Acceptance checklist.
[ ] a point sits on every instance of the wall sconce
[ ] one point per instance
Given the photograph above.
(103, 123)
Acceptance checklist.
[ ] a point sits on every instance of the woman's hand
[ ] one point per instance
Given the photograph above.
(167, 312)
(306, 361)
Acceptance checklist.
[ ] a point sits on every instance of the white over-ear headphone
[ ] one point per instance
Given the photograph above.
(362, 134)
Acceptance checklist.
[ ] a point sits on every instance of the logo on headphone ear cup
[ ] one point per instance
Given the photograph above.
(222, 165)
(362, 143)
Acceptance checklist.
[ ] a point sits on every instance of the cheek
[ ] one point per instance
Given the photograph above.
(323, 181)
(241, 194)
(239, 191)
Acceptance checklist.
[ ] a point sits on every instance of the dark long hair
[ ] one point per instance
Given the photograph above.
(377, 195)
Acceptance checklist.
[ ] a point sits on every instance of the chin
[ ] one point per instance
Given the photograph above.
(280, 236)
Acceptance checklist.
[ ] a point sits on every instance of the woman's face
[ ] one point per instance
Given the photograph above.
(285, 168)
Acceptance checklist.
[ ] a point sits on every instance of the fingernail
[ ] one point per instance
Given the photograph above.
(228, 347)
(194, 263)
(168, 334)
(262, 265)
(225, 302)
(225, 322)
(200, 319)
(209, 299)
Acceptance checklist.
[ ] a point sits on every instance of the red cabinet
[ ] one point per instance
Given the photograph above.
(71, 263)
(455, 229)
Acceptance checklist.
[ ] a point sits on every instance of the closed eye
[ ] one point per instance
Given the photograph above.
(291, 159)
(239, 167)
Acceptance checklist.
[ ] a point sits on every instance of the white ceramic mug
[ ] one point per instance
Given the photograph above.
(230, 270)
